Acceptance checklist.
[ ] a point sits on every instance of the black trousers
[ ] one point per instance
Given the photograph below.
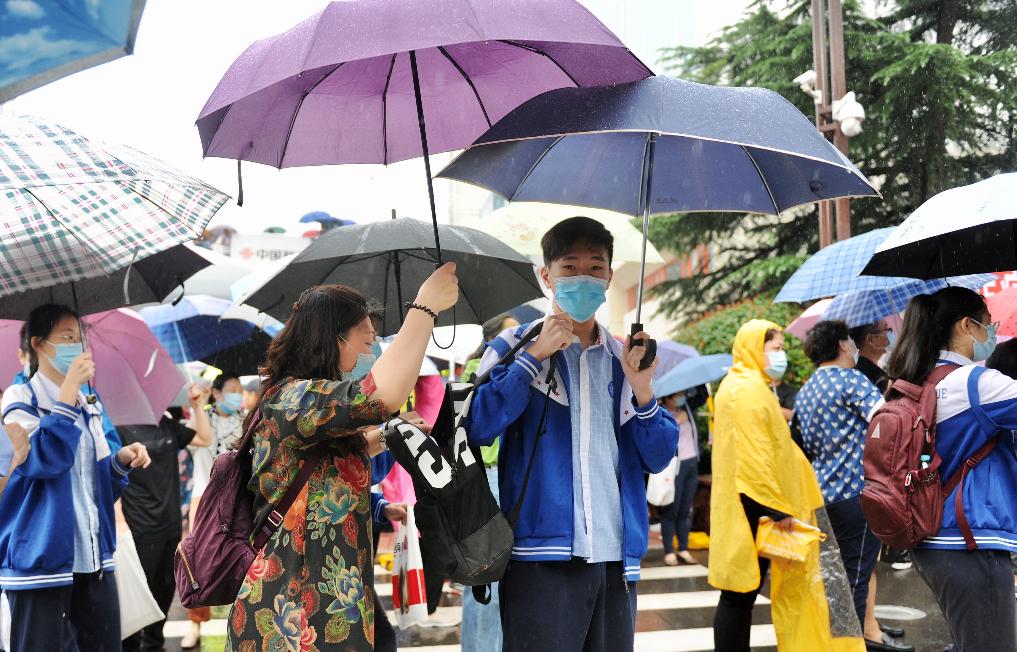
(859, 548)
(732, 622)
(974, 590)
(567, 606)
(157, 561)
(84, 616)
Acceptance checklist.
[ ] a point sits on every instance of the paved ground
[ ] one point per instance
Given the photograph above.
(676, 608)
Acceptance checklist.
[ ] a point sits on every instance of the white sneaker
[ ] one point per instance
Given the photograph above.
(191, 640)
(901, 565)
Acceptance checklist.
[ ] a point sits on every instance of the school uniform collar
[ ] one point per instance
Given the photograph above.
(949, 357)
(46, 392)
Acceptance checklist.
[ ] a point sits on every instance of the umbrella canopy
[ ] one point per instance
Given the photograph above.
(1003, 308)
(217, 279)
(324, 218)
(812, 315)
(243, 358)
(74, 208)
(150, 280)
(381, 81)
(388, 261)
(45, 40)
(693, 372)
(868, 307)
(670, 354)
(835, 270)
(193, 329)
(134, 375)
(660, 145)
(521, 225)
(965, 230)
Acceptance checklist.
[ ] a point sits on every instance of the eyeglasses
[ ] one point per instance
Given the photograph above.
(994, 326)
(65, 339)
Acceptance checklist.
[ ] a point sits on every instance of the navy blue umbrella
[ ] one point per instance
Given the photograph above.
(660, 145)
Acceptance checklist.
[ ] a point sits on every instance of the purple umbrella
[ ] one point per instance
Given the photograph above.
(355, 82)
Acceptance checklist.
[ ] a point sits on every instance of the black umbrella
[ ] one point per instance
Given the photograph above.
(243, 359)
(389, 260)
(149, 280)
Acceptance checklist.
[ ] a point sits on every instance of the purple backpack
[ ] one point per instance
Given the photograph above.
(211, 562)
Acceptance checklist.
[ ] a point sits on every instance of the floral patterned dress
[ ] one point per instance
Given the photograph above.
(311, 587)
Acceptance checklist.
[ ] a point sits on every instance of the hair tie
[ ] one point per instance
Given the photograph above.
(296, 306)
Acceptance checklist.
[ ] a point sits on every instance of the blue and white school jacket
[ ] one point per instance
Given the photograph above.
(37, 513)
(509, 407)
(973, 405)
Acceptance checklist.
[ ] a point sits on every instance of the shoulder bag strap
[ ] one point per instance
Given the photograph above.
(278, 513)
(551, 385)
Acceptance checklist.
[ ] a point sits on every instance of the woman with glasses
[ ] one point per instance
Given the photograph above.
(57, 531)
(968, 569)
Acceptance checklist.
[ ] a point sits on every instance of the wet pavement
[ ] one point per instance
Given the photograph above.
(676, 607)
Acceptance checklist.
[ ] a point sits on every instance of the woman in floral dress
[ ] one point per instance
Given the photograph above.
(310, 588)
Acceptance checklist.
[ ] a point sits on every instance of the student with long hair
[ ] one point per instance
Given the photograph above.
(57, 532)
(312, 584)
(975, 406)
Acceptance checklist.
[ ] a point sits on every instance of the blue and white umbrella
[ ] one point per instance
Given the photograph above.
(835, 270)
(45, 40)
(693, 372)
(194, 328)
(868, 307)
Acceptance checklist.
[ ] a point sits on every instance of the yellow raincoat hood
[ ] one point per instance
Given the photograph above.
(753, 454)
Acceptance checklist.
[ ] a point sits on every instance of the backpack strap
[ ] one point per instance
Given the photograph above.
(541, 427)
(957, 480)
(278, 513)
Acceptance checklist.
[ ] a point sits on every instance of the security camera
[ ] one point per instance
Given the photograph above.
(807, 78)
(807, 82)
(849, 113)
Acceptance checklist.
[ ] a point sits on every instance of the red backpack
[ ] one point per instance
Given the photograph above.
(211, 562)
(904, 494)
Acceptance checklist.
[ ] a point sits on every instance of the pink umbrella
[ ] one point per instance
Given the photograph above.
(812, 315)
(135, 377)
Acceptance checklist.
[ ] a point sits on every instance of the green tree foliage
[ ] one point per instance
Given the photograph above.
(937, 79)
(715, 332)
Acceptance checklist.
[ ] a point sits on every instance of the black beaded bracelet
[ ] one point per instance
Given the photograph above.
(409, 305)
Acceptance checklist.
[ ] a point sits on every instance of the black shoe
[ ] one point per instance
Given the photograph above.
(895, 632)
(888, 645)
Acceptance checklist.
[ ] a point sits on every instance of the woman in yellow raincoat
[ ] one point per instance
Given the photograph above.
(759, 471)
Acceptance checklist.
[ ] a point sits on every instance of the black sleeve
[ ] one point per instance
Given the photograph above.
(181, 433)
(754, 511)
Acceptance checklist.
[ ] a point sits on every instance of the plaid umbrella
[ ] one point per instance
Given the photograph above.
(72, 208)
(868, 307)
(835, 270)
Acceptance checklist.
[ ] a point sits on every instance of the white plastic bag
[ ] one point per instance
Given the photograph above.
(660, 486)
(138, 609)
(409, 595)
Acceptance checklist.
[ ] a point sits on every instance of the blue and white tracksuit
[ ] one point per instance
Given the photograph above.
(510, 406)
(56, 514)
(973, 405)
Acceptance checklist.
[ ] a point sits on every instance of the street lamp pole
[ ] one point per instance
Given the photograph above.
(832, 83)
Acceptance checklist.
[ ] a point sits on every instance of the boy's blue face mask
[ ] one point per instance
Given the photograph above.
(65, 355)
(580, 296)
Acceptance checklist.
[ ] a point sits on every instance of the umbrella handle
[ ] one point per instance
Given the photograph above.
(650, 343)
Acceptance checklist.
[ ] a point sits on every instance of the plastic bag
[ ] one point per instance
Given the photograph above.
(138, 609)
(774, 543)
(660, 486)
(409, 595)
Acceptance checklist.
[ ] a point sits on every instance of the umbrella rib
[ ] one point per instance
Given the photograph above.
(296, 111)
(469, 81)
(535, 164)
(769, 192)
(72, 231)
(384, 111)
(530, 48)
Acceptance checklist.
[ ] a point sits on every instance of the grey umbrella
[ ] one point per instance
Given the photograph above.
(388, 261)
